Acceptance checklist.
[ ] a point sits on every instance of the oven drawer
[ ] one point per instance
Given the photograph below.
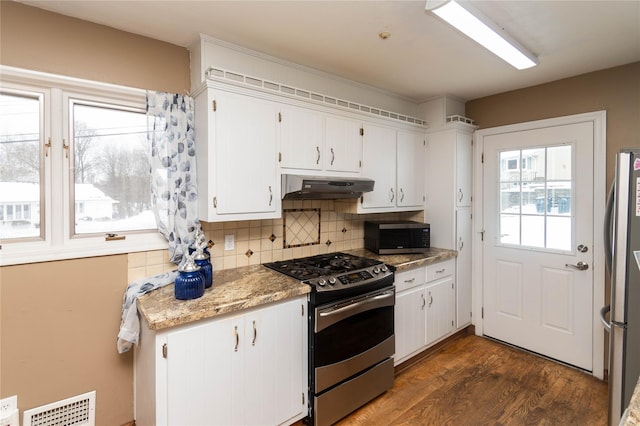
(348, 396)
(440, 270)
(410, 278)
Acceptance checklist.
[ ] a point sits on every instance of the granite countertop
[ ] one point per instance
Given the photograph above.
(237, 289)
(631, 416)
(233, 290)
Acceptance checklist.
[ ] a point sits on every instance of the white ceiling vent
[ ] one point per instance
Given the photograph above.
(78, 410)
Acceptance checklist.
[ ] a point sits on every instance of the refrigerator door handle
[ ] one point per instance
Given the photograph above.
(603, 313)
(608, 228)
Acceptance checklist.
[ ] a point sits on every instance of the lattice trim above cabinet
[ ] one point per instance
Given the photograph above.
(213, 73)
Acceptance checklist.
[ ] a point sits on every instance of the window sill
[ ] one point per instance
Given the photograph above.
(18, 254)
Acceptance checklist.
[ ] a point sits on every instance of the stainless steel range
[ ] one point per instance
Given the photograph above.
(351, 331)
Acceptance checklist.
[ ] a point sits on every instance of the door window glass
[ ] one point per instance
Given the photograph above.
(536, 197)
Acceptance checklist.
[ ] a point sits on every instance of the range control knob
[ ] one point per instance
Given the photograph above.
(332, 280)
(322, 282)
(384, 268)
(376, 270)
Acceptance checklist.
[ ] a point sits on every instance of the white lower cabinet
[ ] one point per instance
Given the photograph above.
(425, 308)
(245, 369)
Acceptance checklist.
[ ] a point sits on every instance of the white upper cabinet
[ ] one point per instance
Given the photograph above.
(236, 144)
(343, 144)
(313, 142)
(379, 153)
(410, 168)
(301, 139)
(394, 159)
(463, 168)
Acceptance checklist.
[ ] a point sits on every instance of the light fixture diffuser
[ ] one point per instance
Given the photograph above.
(482, 32)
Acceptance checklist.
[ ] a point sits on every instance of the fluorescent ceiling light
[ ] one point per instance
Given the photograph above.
(482, 32)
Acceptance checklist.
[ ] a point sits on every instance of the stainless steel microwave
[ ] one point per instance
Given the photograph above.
(397, 237)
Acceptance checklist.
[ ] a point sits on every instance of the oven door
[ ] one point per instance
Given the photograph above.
(351, 336)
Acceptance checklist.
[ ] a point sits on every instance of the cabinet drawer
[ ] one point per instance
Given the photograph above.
(440, 270)
(409, 279)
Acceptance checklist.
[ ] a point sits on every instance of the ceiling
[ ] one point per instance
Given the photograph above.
(422, 58)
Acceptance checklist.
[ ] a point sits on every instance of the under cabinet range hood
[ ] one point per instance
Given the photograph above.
(298, 187)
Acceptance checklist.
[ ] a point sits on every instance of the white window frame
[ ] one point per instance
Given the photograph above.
(57, 242)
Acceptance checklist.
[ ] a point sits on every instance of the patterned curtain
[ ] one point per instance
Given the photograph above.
(173, 196)
(173, 169)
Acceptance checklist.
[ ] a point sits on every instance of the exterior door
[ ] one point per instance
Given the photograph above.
(538, 241)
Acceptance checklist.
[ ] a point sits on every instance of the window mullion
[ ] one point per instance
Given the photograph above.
(58, 191)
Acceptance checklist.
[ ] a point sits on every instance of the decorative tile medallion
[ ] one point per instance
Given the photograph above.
(301, 227)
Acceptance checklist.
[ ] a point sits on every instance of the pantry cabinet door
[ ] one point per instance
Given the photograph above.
(245, 156)
(463, 167)
(410, 169)
(204, 374)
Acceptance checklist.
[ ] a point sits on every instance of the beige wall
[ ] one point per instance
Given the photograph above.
(59, 320)
(616, 90)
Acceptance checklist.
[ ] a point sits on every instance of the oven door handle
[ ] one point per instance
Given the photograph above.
(329, 316)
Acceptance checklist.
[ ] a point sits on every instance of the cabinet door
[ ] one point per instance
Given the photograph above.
(463, 267)
(245, 156)
(410, 169)
(440, 309)
(343, 144)
(205, 374)
(378, 158)
(410, 315)
(301, 138)
(463, 167)
(274, 363)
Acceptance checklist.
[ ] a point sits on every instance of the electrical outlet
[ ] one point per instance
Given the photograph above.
(9, 411)
(229, 242)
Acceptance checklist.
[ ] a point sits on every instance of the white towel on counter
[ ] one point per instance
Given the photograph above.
(130, 322)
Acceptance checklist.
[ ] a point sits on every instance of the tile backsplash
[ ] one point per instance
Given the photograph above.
(262, 241)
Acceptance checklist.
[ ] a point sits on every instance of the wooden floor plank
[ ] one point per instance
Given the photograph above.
(476, 381)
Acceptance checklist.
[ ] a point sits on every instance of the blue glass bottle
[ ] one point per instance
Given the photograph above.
(189, 283)
(204, 262)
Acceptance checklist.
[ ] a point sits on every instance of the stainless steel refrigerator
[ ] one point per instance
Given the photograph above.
(622, 236)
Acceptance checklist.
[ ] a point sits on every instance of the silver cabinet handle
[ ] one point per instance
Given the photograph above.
(460, 194)
(333, 156)
(235, 332)
(270, 196)
(460, 244)
(401, 195)
(393, 196)
(430, 299)
(424, 302)
(318, 155)
(439, 271)
(255, 334)
(410, 281)
(580, 266)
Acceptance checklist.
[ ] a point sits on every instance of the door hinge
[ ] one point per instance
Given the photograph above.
(361, 131)
(279, 117)
(302, 306)
(279, 157)
(214, 105)
(215, 202)
(482, 158)
(164, 350)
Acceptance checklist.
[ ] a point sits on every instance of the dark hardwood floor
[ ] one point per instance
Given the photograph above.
(476, 381)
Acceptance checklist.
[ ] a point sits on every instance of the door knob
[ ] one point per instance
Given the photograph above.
(581, 266)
